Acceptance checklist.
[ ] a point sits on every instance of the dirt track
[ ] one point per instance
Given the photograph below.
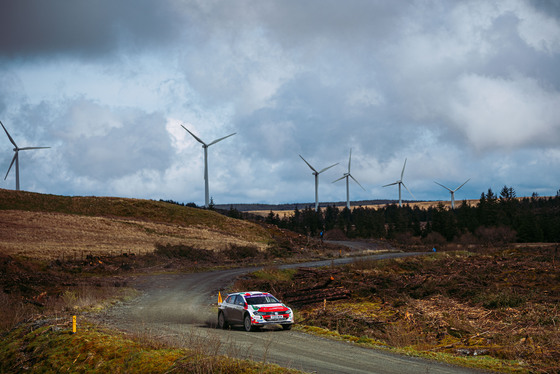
(180, 309)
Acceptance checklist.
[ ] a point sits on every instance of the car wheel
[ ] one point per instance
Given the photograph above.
(287, 327)
(222, 323)
(247, 323)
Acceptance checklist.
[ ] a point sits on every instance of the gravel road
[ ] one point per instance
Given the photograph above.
(180, 309)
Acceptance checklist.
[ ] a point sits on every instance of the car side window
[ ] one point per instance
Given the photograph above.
(239, 300)
(229, 299)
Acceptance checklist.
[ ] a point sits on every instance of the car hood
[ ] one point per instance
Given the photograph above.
(269, 307)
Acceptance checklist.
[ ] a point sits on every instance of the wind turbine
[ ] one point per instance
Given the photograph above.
(347, 175)
(400, 182)
(316, 174)
(16, 156)
(205, 147)
(453, 191)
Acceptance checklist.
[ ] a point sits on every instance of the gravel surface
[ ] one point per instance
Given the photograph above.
(181, 309)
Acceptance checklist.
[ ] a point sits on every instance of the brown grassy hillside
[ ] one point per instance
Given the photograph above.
(49, 226)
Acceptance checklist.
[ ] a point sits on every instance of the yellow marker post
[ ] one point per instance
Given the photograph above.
(73, 324)
(219, 297)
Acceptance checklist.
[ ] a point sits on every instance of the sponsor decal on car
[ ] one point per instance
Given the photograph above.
(278, 308)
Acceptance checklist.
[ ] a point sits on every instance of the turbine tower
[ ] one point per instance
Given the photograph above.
(452, 192)
(205, 147)
(348, 175)
(16, 156)
(316, 174)
(400, 182)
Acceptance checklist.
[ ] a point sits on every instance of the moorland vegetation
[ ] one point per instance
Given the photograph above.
(478, 301)
(496, 309)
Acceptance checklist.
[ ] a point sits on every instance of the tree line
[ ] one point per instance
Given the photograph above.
(503, 218)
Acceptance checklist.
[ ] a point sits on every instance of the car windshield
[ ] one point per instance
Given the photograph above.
(261, 299)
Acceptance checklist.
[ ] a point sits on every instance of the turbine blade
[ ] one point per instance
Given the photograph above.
(219, 140)
(407, 189)
(349, 160)
(193, 135)
(462, 185)
(9, 137)
(13, 160)
(391, 184)
(355, 180)
(344, 176)
(327, 168)
(26, 148)
(449, 189)
(308, 164)
(402, 172)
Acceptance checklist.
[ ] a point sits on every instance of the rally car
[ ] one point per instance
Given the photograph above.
(253, 310)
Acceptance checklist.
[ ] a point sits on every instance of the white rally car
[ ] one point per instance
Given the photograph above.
(253, 310)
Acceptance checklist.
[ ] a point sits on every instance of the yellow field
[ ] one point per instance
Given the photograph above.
(421, 205)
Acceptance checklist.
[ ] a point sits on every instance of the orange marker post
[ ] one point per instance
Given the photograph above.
(219, 297)
(73, 324)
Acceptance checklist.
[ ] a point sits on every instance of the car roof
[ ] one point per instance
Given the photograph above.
(249, 293)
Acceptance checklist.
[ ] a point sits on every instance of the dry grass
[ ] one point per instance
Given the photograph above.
(49, 226)
(500, 305)
(52, 235)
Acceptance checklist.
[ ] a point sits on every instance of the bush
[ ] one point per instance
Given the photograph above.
(335, 234)
(466, 239)
(505, 299)
(407, 239)
(240, 252)
(13, 310)
(495, 235)
(185, 251)
(435, 239)
(279, 249)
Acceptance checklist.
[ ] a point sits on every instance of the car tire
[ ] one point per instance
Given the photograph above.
(222, 323)
(247, 323)
(287, 327)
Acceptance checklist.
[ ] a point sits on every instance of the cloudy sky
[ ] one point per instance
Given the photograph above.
(461, 89)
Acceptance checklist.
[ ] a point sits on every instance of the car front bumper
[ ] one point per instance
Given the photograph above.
(256, 321)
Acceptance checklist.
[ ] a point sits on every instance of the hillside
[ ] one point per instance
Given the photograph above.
(51, 226)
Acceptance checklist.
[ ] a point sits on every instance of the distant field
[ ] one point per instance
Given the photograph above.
(52, 227)
(421, 205)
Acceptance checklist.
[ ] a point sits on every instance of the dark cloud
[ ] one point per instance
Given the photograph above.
(470, 88)
(36, 28)
(550, 8)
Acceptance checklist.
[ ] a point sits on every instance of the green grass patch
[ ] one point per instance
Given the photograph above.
(319, 331)
(275, 274)
(52, 348)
